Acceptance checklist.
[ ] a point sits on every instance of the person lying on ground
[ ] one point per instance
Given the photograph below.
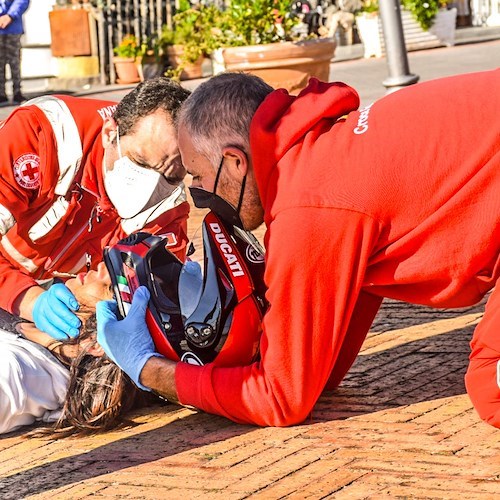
(70, 385)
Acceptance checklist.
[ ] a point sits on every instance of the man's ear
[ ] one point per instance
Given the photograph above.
(108, 132)
(236, 160)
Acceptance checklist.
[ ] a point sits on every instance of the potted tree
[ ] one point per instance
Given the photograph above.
(191, 38)
(265, 38)
(125, 60)
(426, 24)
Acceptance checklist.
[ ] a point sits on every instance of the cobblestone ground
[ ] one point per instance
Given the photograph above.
(400, 426)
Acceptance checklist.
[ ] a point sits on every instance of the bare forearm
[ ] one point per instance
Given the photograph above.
(159, 375)
(23, 306)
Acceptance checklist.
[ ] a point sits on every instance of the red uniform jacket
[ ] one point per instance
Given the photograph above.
(400, 199)
(55, 217)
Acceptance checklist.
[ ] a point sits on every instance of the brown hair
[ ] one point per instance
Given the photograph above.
(99, 393)
(148, 97)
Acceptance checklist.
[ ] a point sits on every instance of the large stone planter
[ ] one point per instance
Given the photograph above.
(287, 65)
(441, 33)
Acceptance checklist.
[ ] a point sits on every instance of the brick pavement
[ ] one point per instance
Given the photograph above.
(400, 426)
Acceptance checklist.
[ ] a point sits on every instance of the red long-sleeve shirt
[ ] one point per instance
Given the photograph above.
(400, 200)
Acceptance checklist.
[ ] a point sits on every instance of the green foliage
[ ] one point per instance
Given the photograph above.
(369, 6)
(253, 22)
(129, 47)
(203, 28)
(424, 11)
(193, 30)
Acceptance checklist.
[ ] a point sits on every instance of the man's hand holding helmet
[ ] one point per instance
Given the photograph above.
(127, 342)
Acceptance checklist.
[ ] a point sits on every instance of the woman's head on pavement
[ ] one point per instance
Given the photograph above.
(214, 140)
(99, 392)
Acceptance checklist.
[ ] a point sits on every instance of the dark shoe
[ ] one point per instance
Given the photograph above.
(3, 98)
(19, 98)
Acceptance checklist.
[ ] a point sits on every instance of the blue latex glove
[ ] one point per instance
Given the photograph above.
(53, 312)
(127, 342)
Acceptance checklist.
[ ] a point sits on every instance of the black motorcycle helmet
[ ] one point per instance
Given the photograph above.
(197, 319)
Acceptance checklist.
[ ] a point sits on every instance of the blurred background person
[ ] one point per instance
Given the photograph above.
(11, 29)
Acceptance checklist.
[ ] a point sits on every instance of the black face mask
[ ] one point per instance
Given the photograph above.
(206, 199)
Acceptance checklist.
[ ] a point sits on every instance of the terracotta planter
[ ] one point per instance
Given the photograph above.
(126, 70)
(287, 65)
(189, 71)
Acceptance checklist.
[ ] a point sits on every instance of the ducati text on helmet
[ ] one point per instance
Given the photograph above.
(226, 249)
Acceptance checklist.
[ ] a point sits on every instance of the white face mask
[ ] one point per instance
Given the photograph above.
(131, 188)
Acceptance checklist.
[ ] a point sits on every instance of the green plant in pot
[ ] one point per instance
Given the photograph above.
(127, 56)
(192, 37)
(128, 48)
(256, 22)
(426, 24)
(369, 7)
(152, 63)
(263, 37)
(423, 11)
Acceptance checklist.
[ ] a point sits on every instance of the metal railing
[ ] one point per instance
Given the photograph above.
(117, 18)
(142, 18)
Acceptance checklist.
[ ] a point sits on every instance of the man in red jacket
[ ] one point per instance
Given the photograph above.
(400, 199)
(79, 174)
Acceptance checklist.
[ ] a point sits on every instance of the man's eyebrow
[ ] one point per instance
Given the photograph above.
(143, 162)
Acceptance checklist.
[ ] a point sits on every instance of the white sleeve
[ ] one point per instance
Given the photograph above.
(32, 383)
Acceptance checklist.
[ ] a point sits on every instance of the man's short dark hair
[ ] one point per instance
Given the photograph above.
(148, 97)
(220, 110)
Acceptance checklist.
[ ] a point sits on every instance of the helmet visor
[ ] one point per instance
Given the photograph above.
(190, 288)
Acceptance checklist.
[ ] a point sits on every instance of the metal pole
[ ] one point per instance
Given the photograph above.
(109, 22)
(136, 19)
(99, 15)
(169, 14)
(395, 49)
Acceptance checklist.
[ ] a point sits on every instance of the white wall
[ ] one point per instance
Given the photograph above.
(37, 58)
(36, 22)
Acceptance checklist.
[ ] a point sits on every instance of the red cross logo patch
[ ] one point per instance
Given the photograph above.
(27, 171)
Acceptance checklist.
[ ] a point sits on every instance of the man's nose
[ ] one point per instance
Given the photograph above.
(175, 172)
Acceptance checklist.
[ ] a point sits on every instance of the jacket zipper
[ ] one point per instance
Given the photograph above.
(95, 213)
